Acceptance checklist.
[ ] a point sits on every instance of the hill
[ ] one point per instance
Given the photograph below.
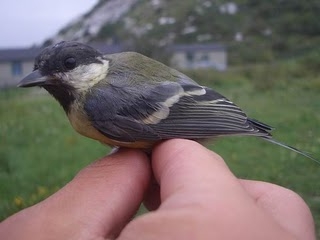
(253, 31)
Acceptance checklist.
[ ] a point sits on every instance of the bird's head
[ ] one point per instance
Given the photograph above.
(66, 69)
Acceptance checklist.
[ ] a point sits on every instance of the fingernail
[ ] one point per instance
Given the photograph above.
(113, 151)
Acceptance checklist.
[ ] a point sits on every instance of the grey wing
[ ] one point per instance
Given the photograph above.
(203, 113)
(167, 110)
(118, 112)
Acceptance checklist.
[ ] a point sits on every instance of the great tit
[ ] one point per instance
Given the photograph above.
(129, 100)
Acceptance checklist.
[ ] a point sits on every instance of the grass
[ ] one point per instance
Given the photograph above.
(40, 152)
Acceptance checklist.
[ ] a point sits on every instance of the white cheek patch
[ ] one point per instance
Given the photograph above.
(85, 76)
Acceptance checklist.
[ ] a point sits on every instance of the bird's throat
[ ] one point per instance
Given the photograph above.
(64, 94)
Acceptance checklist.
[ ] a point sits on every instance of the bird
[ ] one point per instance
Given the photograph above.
(129, 100)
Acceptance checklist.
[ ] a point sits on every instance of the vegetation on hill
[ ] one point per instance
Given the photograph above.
(253, 31)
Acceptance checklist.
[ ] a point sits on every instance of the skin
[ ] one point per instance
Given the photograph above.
(199, 198)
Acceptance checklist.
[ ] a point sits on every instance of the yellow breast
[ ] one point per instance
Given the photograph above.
(82, 125)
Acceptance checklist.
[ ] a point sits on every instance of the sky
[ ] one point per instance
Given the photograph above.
(25, 23)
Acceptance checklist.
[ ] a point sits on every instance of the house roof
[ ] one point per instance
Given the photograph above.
(107, 48)
(19, 54)
(197, 47)
(23, 54)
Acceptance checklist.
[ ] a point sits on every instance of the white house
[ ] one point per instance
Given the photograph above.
(196, 56)
(15, 63)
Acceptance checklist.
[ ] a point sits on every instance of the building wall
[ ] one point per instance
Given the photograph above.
(8, 79)
(179, 60)
(200, 59)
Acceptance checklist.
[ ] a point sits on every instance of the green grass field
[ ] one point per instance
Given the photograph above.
(40, 152)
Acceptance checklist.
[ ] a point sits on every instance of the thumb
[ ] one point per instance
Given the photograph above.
(96, 204)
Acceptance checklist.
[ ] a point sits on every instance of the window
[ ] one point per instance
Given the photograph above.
(16, 68)
(204, 57)
(190, 56)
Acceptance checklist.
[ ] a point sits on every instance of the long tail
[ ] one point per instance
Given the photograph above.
(264, 128)
(291, 148)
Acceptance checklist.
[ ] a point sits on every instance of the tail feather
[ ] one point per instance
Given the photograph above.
(260, 125)
(269, 139)
(264, 128)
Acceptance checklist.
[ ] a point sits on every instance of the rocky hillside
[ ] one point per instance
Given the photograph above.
(252, 30)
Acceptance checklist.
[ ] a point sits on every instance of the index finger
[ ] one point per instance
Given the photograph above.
(186, 168)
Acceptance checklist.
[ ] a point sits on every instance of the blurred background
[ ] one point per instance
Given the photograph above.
(263, 55)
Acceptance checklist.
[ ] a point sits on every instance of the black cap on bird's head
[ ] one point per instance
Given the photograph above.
(66, 67)
(62, 57)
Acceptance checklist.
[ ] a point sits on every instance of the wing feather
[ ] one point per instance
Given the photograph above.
(163, 110)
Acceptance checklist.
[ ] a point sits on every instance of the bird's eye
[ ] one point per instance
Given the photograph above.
(70, 63)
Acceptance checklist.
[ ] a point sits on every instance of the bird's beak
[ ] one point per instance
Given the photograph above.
(33, 79)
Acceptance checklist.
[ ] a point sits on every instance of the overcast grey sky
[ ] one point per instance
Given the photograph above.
(24, 23)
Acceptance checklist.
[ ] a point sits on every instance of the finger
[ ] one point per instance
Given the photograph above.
(103, 196)
(285, 206)
(186, 168)
(200, 195)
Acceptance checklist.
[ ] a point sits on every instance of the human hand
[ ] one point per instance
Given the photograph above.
(200, 199)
